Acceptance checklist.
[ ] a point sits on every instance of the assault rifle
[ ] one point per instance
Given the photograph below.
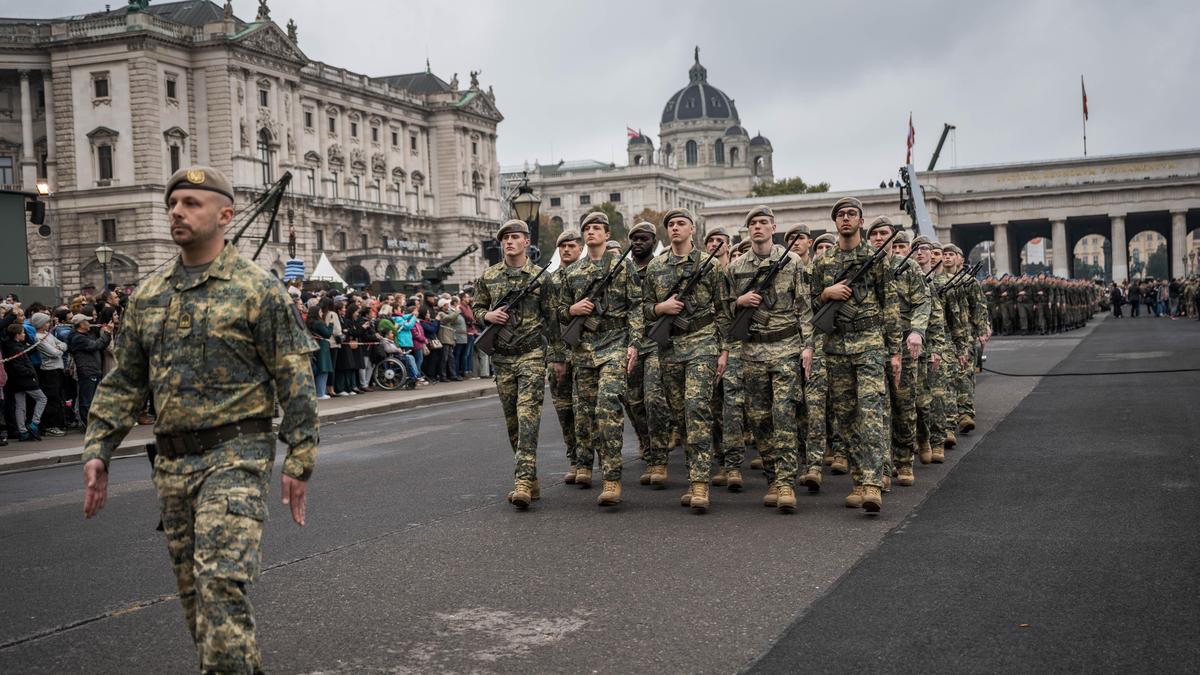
(963, 279)
(932, 270)
(486, 340)
(762, 279)
(660, 331)
(573, 333)
(825, 320)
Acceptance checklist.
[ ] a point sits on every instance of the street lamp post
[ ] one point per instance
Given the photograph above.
(526, 206)
(104, 254)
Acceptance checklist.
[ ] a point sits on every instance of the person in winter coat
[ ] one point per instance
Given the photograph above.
(22, 382)
(322, 358)
(88, 353)
(50, 374)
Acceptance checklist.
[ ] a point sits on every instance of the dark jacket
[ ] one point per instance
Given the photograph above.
(322, 358)
(88, 353)
(22, 374)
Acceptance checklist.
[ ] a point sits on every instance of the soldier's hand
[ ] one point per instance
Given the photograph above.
(935, 361)
(839, 291)
(896, 369)
(915, 342)
(806, 357)
(497, 316)
(963, 360)
(295, 494)
(672, 306)
(560, 372)
(630, 359)
(750, 299)
(722, 364)
(582, 308)
(95, 487)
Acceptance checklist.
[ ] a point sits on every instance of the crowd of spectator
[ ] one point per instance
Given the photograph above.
(1173, 298)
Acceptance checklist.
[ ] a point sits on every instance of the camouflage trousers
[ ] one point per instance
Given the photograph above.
(952, 376)
(560, 395)
(861, 414)
(816, 404)
(634, 399)
(965, 389)
(732, 451)
(213, 520)
(687, 389)
(931, 415)
(904, 414)
(599, 418)
(521, 384)
(664, 429)
(770, 388)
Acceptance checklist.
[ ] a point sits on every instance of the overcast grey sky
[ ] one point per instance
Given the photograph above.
(830, 84)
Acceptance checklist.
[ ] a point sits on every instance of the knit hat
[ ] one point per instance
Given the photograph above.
(38, 320)
(845, 202)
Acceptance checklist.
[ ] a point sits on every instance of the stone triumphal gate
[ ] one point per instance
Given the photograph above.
(1117, 197)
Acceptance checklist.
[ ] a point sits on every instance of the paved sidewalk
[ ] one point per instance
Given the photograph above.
(69, 448)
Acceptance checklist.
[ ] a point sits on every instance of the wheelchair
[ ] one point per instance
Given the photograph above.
(391, 374)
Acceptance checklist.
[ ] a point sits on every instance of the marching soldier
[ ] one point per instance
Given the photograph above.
(215, 337)
(605, 353)
(562, 379)
(695, 358)
(931, 414)
(642, 240)
(729, 406)
(816, 390)
(520, 356)
(782, 323)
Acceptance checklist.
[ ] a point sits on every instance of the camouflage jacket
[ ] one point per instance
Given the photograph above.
(973, 294)
(875, 304)
(913, 292)
(957, 320)
(785, 305)
(645, 345)
(531, 322)
(618, 311)
(215, 349)
(936, 336)
(705, 305)
(557, 350)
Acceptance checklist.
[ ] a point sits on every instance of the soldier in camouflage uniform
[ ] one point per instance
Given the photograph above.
(695, 358)
(931, 414)
(782, 322)
(520, 353)
(607, 350)
(216, 340)
(913, 296)
(816, 389)
(642, 240)
(562, 379)
(958, 328)
(731, 430)
(866, 341)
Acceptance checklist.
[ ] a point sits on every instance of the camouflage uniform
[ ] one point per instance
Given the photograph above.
(856, 358)
(689, 363)
(913, 295)
(931, 413)
(599, 358)
(979, 325)
(636, 395)
(769, 356)
(216, 348)
(560, 392)
(952, 372)
(520, 361)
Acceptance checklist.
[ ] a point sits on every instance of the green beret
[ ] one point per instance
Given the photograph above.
(514, 225)
(715, 232)
(843, 203)
(613, 244)
(826, 238)
(742, 246)
(759, 211)
(919, 240)
(595, 217)
(935, 244)
(882, 221)
(901, 237)
(952, 249)
(198, 178)
(798, 227)
(677, 213)
(567, 235)
(643, 227)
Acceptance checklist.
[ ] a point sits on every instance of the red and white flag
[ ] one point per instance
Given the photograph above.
(912, 137)
(631, 133)
(1084, 90)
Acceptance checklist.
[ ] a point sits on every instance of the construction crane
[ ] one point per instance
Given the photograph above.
(941, 141)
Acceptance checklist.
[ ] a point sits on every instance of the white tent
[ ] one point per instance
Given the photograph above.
(325, 272)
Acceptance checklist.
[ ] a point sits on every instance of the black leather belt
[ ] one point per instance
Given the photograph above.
(199, 442)
(517, 350)
(695, 325)
(859, 325)
(609, 324)
(774, 336)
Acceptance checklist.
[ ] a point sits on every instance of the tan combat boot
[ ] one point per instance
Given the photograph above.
(756, 463)
(787, 498)
(938, 456)
(658, 476)
(611, 494)
(644, 479)
(925, 452)
(536, 490)
(721, 477)
(951, 439)
(854, 500)
(699, 501)
(887, 483)
(685, 499)
(966, 424)
(570, 477)
(906, 477)
(522, 494)
(812, 480)
(771, 499)
(735, 480)
(583, 478)
(872, 499)
(840, 466)
(828, 458)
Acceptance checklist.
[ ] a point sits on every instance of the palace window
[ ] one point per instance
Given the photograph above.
(264, 98)
(334, 185)
(175, 161)
(585, 200)
(266, 155)
(733, 156)
(332, 125)
(719, 152)
(556, 201)
(6, 170)
(108, 230)
(475, 148)
(320, 239)
(308, 119)
(312, 182)
(354, 129)
(172, 94)
(363, 240)
(412, 142)
(395, 139)
(100, 85)
(341, 241)
(104, 161)
(374, 134)
(614, 197)
(691, 153)
(355, 185)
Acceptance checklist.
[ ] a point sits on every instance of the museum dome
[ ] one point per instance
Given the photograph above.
(699, 100)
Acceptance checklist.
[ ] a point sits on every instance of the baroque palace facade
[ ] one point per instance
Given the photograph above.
(389, 174)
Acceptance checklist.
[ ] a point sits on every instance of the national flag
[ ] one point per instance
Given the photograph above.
(632, 133)
(1084, 90)
(912, 137)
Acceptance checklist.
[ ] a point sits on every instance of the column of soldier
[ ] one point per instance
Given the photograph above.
(1028, 305)
(853, 350)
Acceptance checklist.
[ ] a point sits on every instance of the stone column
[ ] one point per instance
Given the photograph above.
(1001, 250)
(51, 150)
(1120, 248)
(1058, 239)
(28, 163)
(1178, 246)
(297, 151)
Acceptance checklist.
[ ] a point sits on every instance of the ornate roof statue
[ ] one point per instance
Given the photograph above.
(264, 12)
(291, 27)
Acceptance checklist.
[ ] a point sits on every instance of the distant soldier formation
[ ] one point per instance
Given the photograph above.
(853, 352)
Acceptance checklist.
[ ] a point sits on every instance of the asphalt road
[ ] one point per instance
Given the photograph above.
(1062, 511)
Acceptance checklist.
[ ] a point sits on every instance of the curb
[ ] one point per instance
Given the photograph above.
(53, 458)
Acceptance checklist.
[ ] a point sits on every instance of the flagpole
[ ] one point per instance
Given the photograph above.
(1083, 89)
